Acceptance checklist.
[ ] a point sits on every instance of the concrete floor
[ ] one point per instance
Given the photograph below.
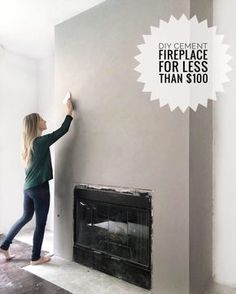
(220, 289)
(81, 279)
(14, 279)
(74, 277)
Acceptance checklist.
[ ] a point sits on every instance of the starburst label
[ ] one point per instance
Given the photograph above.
(183, 63)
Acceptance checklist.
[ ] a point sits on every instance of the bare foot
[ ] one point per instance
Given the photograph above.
(42, 259)
(7, 254)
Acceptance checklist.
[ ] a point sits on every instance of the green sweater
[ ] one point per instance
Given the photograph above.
(40, 168)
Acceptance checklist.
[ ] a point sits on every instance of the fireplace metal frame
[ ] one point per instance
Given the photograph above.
(130, 271)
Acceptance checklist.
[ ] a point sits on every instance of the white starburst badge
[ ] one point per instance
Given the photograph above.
(183, 63)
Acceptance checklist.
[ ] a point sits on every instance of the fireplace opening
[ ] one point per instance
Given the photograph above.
(112, 231)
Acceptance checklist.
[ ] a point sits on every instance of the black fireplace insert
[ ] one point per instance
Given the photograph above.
(112, 232)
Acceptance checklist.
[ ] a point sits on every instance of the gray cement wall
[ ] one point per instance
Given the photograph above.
(200, 184)
(119, 137)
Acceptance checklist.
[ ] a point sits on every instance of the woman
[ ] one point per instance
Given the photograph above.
(38, 169)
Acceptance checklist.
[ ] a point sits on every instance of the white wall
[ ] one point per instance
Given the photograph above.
(224, 154)
(26, 85)
(18, 97)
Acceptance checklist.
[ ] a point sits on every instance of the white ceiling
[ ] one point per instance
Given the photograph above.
(27, 26)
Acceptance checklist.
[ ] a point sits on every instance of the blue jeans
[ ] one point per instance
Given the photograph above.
(35, 199)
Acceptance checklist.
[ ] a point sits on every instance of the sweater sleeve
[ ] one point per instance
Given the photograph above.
(57, 134)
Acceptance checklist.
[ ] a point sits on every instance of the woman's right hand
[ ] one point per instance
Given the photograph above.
(69, 106)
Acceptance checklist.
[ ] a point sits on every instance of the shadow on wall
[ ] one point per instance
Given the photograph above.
(67, 152)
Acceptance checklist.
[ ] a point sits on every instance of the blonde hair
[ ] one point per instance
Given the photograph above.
(30, 132)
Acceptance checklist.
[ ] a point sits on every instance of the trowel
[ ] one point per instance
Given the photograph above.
(68, 96)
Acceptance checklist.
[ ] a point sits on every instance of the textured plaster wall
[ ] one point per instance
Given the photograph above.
(119, 137)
